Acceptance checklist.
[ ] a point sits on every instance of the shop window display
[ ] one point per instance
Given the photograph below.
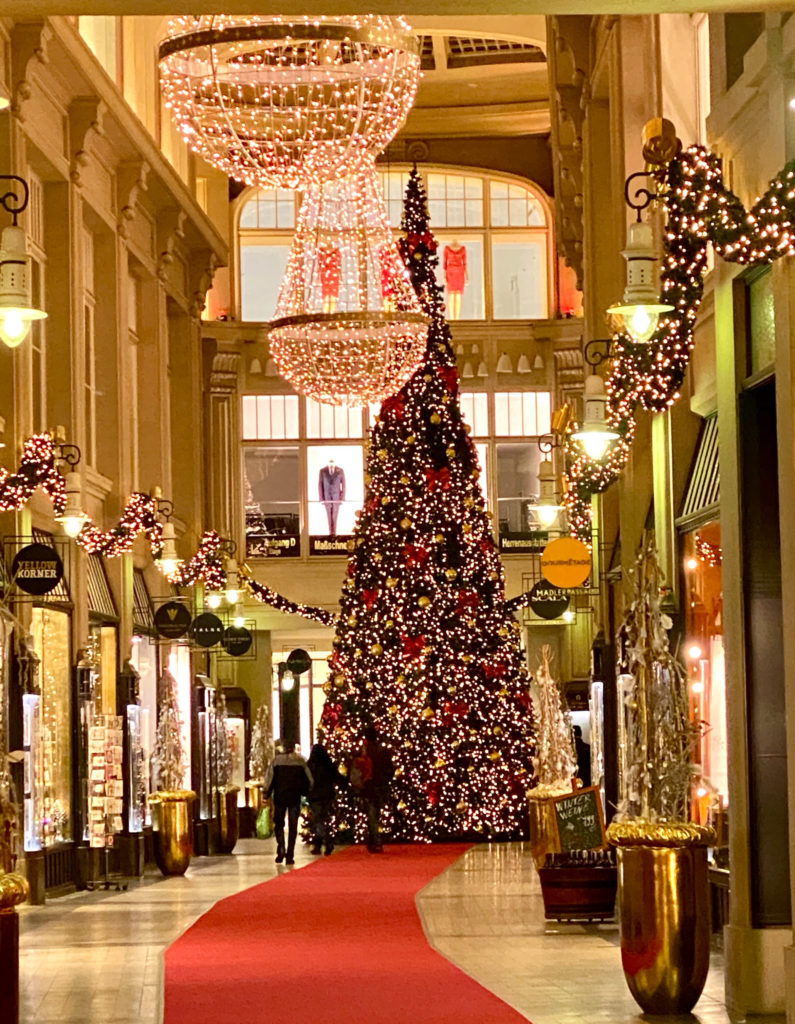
(517, 488)
(335, 485)
(272, 483)
(50, 631)
(460, 273)
(705, 660)
(519, 278)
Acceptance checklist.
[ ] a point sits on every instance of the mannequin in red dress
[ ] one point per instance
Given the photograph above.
(330, 262)
(455, 276)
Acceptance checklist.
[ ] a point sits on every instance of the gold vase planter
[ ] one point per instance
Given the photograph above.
(227, 817)
(663, 897)
(172, 829)
(543, 833)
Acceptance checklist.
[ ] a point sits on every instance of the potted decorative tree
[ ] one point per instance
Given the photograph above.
(262, 753)
(172, 811)
(662, 855)
(226, 793)
(555, 763)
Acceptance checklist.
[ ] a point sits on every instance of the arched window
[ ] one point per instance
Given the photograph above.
(494, 234)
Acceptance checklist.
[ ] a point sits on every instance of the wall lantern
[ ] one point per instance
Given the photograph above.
(16, 311)
(73, 518)
(595, 434)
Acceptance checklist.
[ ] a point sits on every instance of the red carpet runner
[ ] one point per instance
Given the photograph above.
(338, 942)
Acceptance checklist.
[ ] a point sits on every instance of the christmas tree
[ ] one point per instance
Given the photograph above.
(556, 763)
(168, 755)
(223, 752)
(262, 745)
(426, 650)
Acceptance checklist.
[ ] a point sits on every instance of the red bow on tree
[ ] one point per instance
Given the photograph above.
(449, 375)
(369, 597)
(496, 670)
(413, 646)
(451, 710)
(525, 700)
(467, 599)
(331, 715)
(395, 405)
(434, 791)
(486, 545)
(438, 478)
(415, 555)
(371, 504)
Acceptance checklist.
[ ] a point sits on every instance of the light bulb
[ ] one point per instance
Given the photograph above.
(568, 615)
(701, 791)
(168, 565)
(596, 444)
(288, 683)
(13, 328)
(692, 563)
(72, 525)
(641, 324)
(214, 599)
(694, 652)
(697, 686)
(547, 514)
(232, 595)
(238, 618)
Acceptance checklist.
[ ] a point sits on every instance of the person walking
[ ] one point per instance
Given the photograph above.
(583, 752)
(370, 773)
(287, 779)
(325, 778)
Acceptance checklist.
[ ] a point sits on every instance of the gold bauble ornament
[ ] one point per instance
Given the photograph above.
(393, 710)
(377, 556)
(466, 658)
(427, 713)
(367, 478)
(405, 523)
(445, 398)
(427, 378)
(358, 652)
(497, 730)
(435, 418)
(469, 502)
(440, 762)
(404, 479)
(390, 623)
(467, 428)
(377, 649)
(461, 807)
(402, 805)
(411, 439)
(467, 528)
(400, 680)
(451, 573)
(352, 620)
(391, 582)
(368, 686)
(494, 575)
(495, 755)
(327, 688)
(424, 601)
(385, 500)
(382, 454)
(503, 630)
(450, 452)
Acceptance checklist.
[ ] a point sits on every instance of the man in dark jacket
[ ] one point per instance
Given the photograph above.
(583, 751)
(331, 491)
(288, 779)
(321, 797)
(370, 773)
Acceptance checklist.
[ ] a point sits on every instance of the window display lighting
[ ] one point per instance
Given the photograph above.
(288, 102)
(16, 310)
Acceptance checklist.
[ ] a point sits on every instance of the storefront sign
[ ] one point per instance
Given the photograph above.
(37, 569)
(525, 544)
(207, 630)
(237, 641)
(172, 620)
(579, 820)
(261, 546)
(566, 562)
(298, 662)
(548, 601)
(329, 546)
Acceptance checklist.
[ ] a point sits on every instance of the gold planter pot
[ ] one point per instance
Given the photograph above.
(172, 828)
(543, 834)
(663, 897)
(227, 818)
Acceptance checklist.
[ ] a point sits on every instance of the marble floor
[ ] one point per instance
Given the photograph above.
(96, 958)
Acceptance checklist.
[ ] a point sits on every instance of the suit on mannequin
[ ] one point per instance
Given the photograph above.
(331, 490)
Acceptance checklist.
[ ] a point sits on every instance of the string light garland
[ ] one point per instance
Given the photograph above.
(288, 102)
(38, 467)
(206, 566)
(348, 328)
(425, 648)
(700, 210)
(709, 554)
(138, 516)
(267, 596)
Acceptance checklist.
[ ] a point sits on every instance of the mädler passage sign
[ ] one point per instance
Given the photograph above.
(566, 562)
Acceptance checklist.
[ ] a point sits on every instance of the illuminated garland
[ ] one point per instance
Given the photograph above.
(138, 516)
(700, 210)
(710, 554)
(37, 468)
(268, 596)
(206, 565)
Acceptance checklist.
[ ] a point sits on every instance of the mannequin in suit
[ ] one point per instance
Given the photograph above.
(331, 490)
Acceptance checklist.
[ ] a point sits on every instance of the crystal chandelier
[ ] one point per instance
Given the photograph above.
(285, 103)
(348, 328)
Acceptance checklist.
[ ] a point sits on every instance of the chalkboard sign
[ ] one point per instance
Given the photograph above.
(580, 820)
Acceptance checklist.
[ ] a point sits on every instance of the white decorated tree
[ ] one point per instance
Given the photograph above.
(168, 756)
(262, 746)
(555, 762)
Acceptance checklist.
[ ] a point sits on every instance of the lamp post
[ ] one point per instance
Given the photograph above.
(640, 307)
(16, 311)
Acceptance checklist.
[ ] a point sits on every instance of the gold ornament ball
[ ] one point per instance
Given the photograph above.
(467, 528)
(435, 417)
(427, 378)
(439, 538)
(497, 730)
(494, 575)
(411, 439)
(382, 454)
(377, 556)
(469, 502)
(405, 523)
(393, 710)
(461, 806)
(467, 428)
(391, 582)
(427, 713)
(424, 601)
(404, 479)
(352, 620)
(503, 630)
(368, 686)
(450, 452)
(440, 762)
(390, 623)
(451, 573)
(495, 755)
(377, 649)
(385, 500)
(400, 680)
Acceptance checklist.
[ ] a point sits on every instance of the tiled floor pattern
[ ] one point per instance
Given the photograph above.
(97, 958)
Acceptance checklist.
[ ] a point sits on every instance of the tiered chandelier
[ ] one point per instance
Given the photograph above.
(288, 102)
(309, 103)
(348, 327)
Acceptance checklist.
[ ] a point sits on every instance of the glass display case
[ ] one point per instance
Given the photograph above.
(31, 745)
(204, 760)
(106, 783)
(236, 741)
(137, 767)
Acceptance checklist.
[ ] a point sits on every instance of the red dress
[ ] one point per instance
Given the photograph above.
(455, 268)
(330, 261)
(387, 267)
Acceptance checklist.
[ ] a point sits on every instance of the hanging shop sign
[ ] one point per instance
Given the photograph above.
(172, 620)
(566, 562)
(580, 820)
(237, 641)
(337, 546)
(207, 630)
(522, 543)
(298, 662)
(37, 569)
(548, 601)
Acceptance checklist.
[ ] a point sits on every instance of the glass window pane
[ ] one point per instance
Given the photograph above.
(481, 414)
(312, 418)
(277, 417)
(248, 215)
(483, 462)
(262, 268)
(267, 208)
(340, 421)
(499, 213)
(272, 481)
(543, 412)
(530, 428)
(762, 315)
(285, 209)
(515, 425)
(519, 270)
(327, 421)
(249, 417)
(517, 487)
(335, 484)
(536, 217)
(263, 418)
(467, 401)
(460, 272)
(291, 416)
(501, 414)
(518, 212)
